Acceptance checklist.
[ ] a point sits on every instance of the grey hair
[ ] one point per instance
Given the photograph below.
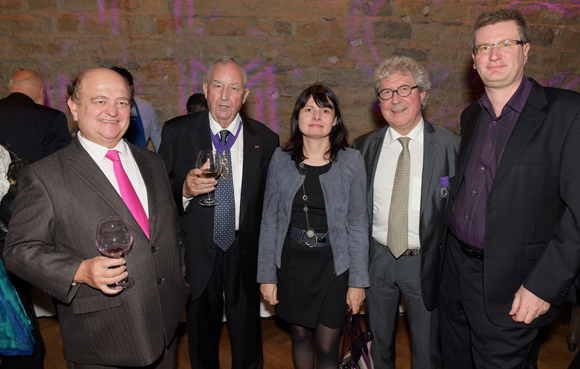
(404, 65)
(226, 59)
(499, 16)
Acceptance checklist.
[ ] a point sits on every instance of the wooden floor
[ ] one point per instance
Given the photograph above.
(277, 346)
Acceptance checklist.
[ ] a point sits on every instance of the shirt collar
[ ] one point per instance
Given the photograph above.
(415, 135)
(516, 102)
(98, 152)
(216, 128)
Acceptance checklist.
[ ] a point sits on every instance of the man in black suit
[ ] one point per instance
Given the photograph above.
(222, 241)
(33, 131)
(513, 246)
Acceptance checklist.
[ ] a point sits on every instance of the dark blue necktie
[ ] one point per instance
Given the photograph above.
(224, 230)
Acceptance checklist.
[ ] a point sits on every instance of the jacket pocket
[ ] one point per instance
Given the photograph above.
(83, 305)
(534, 159)
(534, 250)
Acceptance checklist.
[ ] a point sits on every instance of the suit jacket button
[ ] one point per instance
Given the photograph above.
(212, 248)
(154, 249)
(160, 280)
(452, 197)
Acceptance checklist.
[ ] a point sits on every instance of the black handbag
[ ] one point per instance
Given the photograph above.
(16, 164)
(359, 355)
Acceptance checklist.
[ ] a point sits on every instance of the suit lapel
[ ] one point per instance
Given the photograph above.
(528, 123)
(468, 134)
(372, 158)
(200, 137)
(85, 167)
(252, 153)
(429, 159)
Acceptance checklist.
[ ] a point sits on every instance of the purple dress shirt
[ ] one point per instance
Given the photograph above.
(467, 217)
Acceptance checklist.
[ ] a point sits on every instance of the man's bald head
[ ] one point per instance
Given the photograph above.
(28, 82)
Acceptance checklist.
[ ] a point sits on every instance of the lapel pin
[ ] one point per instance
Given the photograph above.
(444, 181)
(256, 147)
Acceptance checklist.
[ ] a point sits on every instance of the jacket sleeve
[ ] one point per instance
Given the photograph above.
(269, 226)
(31, 251)
(358, 225)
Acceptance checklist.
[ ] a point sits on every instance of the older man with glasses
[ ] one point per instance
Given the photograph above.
(410, 165)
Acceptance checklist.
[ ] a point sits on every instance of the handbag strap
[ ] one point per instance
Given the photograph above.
(350, 332)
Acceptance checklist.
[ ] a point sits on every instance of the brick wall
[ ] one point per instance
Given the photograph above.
(285, 45)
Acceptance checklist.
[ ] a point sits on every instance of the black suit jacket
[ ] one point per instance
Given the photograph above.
(440, 149)
(532, 230)
(34, 131)
(62, 197)
(182, 138)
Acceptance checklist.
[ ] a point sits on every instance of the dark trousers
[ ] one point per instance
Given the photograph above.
(204, 318)
(468, 338)
(34, 361)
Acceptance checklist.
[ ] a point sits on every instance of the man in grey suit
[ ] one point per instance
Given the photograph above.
(51, 241)
(410, 165)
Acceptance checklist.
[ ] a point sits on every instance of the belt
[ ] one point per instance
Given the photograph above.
(299, 235)
(468, 249)
(409, 252)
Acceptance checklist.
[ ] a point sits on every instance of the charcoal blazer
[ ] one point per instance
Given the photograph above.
(532, 230)
(182, 138)
(440, 148)
(61, 199)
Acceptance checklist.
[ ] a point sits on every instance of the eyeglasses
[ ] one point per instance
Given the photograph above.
(402, 91)
(501, 46)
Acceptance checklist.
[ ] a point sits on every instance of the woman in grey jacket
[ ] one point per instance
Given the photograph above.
(313, 256)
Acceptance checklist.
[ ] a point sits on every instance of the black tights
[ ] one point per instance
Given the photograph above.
(326, 341)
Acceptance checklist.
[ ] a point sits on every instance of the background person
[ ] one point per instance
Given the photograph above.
(315, 183)
(144, 122)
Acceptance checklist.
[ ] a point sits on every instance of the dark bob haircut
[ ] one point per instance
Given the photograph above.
(338, 137)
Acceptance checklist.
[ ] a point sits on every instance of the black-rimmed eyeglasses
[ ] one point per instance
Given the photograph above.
(402, 91)
(485, 49)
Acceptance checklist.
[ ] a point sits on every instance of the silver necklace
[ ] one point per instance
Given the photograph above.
(310, 232)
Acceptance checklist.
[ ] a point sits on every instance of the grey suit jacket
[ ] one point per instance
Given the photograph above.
(439, 160)
(61, 199)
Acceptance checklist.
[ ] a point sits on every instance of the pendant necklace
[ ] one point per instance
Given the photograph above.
(310, 232)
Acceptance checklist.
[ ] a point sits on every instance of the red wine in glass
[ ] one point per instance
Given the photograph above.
(114, 239)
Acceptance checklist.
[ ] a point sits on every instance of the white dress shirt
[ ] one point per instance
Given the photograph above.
(384, 180)
(237, 164)
(98, 152)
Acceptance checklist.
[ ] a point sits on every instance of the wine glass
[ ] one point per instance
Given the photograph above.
(114, 239)
(210, 163)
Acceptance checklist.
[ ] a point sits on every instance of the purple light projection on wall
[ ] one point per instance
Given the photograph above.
(103, 14)
(357, 42)
(267, 95)
(178, 16)
(559, 8)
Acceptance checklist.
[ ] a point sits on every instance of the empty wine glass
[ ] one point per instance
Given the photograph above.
(210, 163)
(114, 239)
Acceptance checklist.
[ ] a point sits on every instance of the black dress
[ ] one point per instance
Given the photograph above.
(309, 292)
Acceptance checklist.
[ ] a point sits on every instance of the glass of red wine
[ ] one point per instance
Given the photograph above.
(210, 163)
(114, 239)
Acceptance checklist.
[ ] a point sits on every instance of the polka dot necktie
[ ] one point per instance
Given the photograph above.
(397, 236)
(224, 219)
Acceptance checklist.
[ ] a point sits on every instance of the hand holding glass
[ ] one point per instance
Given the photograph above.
(210, 163)
(114, 239)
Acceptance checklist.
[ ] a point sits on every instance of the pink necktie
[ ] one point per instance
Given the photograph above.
(128, 192)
